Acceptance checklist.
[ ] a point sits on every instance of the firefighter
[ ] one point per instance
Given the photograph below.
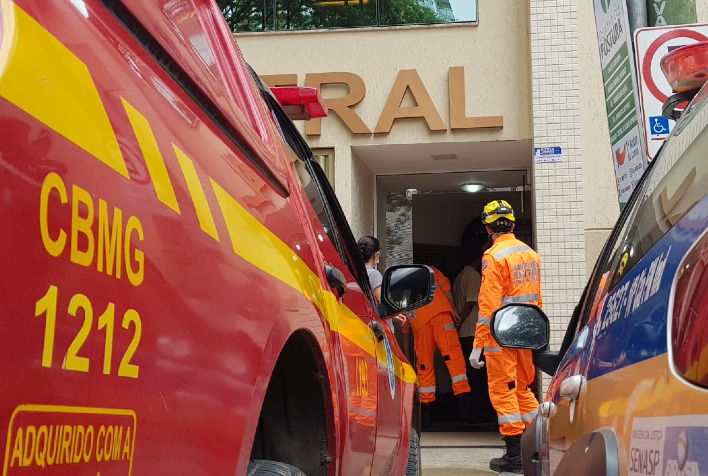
(434, 327)
(511, 273)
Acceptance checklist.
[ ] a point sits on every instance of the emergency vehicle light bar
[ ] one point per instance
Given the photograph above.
(686, 68)
(300, 102)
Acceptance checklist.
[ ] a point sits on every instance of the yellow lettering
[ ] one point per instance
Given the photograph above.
(99, 447)
(51, 182)
(88, 446)
(78, 443)
(41, 450)
(108, 444)
(81, 225)
(30, 440)
(126, 369)
(109, 239)
(135, 276)
(65, 453)
(126, 445)
(17, 449)
(117, 442)
(409, 80)
(53, 446)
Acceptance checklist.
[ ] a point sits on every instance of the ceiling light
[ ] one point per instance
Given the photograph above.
(472, 187)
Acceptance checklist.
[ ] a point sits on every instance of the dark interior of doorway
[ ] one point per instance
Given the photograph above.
(449, 260)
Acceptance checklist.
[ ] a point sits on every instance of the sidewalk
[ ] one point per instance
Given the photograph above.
(459, 454)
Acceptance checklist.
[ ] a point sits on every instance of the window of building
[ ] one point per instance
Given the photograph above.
(325, 157)
(270, 15)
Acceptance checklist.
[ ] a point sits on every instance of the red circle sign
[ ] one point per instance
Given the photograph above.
(654, 47)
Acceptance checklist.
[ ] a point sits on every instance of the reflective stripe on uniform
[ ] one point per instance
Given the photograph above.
(523, 298)
(427, 389)
(512, 249)
(449, 327)
(492, 350)
(459, 378)
(485, 321)
(529, 416)
(509, 418)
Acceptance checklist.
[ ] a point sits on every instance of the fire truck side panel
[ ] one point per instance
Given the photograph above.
(159, 255)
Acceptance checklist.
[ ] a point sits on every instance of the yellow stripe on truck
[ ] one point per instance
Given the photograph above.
(153, 158)
(255, 243)
(194, 185)
(41, 76)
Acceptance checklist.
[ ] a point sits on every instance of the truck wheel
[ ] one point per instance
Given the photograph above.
(261, 467)
(413, 468)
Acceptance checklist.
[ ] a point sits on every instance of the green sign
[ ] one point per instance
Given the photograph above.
(621, 99)
(670, 12)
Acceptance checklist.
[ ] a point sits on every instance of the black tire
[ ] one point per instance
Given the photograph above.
(261, 467)
(413, 468)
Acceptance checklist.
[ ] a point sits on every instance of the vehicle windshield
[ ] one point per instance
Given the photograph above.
(674, 185)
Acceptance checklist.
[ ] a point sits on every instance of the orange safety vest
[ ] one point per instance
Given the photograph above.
(511, 273)
(439, 304)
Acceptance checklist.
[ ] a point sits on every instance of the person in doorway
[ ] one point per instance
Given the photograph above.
(466, 293)
(370, 250)
(434, 328)
(511, 273)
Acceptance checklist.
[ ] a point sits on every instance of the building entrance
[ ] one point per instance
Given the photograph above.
(422, 218)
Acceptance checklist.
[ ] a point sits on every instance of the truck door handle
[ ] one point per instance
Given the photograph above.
(570, 388)
(378, 330)
(336, 279)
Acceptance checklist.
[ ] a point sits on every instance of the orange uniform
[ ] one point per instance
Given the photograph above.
(434, 326)
(511, 273)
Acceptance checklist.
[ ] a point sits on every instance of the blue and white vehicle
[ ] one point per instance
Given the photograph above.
(629, 393)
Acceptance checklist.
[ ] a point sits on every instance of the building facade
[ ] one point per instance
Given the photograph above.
(417, 111)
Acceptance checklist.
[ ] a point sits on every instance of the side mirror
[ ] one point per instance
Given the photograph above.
(521, 326)
(405, 288)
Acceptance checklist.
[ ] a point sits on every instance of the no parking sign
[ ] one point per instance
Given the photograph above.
(650, 45)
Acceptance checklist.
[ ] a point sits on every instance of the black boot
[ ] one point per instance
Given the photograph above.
(426, 415)
(464, 407)
(511, 461)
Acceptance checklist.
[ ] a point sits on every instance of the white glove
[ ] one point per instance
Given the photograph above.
(474, 358)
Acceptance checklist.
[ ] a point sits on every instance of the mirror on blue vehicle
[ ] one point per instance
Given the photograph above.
(521, 326)
(405, 288)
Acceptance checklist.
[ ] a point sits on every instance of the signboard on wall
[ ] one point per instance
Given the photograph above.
(621, 99)
(651, 44)
(544, 155)
(671, 12)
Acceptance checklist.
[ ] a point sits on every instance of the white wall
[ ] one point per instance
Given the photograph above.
(362, 213)
(702, 11)
(494, 54)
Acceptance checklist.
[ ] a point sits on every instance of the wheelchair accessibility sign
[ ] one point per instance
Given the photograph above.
(658, 127)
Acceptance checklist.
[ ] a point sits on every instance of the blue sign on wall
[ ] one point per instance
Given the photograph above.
(542, 155)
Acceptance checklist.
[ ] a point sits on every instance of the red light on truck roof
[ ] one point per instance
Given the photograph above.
(686, 68)
(300, 102)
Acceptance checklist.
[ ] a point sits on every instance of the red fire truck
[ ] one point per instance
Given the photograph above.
(180, 292)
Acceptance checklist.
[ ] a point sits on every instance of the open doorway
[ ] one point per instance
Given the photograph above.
(421, 219)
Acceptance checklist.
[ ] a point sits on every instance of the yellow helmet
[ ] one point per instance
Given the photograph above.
(496, 210)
